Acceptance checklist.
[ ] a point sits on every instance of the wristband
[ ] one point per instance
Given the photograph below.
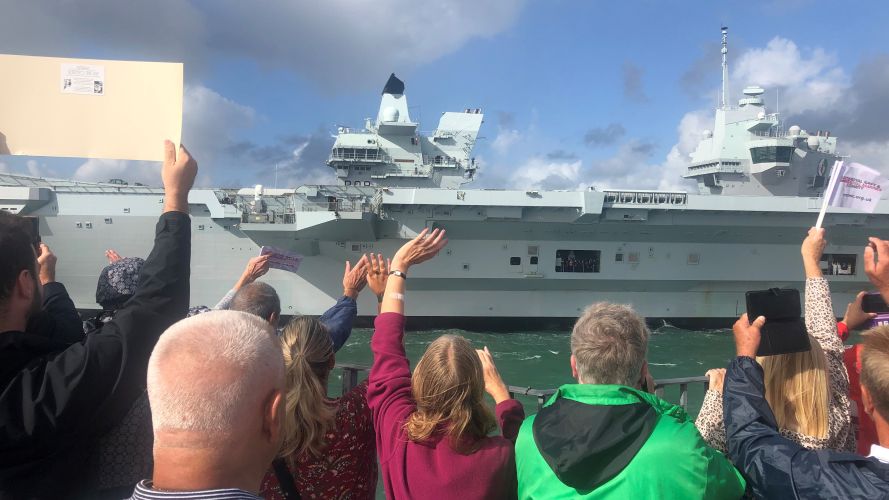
(397, 296)
(380, 298)
(398, 273)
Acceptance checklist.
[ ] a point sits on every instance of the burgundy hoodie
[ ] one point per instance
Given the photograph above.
(431, 469)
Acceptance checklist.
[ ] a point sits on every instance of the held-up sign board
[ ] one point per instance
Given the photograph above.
(282, 259)
(89, 108)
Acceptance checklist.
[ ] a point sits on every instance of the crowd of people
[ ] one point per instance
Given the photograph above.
(149, 399)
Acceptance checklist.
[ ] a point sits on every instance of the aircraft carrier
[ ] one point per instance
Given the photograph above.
(516, 258)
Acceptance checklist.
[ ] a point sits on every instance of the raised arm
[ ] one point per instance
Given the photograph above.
(377, 276)
(58, 319)
(389, 389)
(91, 385)
(510, 413)
(339, 319)
(255, 269)
(820, 320)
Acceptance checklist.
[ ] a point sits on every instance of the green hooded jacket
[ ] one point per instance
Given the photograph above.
(595, 441)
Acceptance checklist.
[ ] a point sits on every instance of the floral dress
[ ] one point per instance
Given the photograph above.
(347, 468)
(821, 324)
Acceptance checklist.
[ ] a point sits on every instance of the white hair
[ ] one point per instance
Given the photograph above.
(209, 372)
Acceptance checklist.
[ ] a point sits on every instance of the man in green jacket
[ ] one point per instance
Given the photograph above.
(604, 436)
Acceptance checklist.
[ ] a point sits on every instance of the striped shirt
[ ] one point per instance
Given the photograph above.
(145, 492)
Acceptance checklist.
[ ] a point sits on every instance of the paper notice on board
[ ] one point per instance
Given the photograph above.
(86, 79)
(89, 108)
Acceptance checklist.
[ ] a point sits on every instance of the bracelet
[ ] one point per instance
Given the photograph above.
(396, 296)
(398, 273)
(380, 298)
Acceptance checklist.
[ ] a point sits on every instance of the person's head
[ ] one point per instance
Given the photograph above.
(609, 345)
(449, 390)
(259, 299)
(215, 386)
(20, 290)
(875, 377)
(118, 283)
(308, 359)
(797, 389)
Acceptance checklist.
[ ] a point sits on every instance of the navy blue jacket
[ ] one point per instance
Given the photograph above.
(339, 319)
(777, 467)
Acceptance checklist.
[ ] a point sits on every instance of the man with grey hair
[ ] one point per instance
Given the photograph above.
(607, 435)
(216, 389)
(262, 300)
(259, 299)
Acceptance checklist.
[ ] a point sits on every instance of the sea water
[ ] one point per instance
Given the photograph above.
(540, 359)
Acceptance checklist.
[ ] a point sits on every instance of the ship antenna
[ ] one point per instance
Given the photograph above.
(724, 67)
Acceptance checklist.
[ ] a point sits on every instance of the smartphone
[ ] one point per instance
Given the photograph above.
(32, 226)
(873, 303)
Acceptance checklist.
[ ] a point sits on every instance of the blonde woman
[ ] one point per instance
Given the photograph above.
(808, 392)
(433, 428)
(328, 449)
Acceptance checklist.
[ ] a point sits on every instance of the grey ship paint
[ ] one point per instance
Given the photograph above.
(515, 258)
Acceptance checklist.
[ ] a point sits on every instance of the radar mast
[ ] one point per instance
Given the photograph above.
(725, 104)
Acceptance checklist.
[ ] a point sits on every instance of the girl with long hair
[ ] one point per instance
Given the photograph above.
(328, 443)
(433, 427)
(808, 392)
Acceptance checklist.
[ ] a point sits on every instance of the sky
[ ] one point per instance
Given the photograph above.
(575, 93)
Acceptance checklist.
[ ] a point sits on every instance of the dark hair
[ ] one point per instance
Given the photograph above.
(257, 298)
(17, 251)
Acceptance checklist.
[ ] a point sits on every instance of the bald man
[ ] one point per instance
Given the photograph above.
(216, 389)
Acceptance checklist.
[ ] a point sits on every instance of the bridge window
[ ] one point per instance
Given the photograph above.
(771, 154)
(578, 261)
(515, 261)
(838, 264)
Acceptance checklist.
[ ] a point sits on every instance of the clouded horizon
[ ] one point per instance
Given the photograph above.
(575, 93)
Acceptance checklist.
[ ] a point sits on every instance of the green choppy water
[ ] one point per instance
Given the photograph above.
(539, 359)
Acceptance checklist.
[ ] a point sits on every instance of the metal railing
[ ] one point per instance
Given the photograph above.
(351, 372)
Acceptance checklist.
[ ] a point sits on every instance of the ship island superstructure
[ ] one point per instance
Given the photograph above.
(515, 258)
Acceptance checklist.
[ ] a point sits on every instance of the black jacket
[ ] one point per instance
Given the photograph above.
(59, 319)
(777, 467)
(57, 398)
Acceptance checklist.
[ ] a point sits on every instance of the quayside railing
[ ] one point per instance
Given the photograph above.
(352, 371)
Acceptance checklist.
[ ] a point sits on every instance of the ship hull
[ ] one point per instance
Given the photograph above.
(678, 266)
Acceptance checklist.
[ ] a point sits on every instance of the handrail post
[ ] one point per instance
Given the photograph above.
(683, 396)
(350, 378)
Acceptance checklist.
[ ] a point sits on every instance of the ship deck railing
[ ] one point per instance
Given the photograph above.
(351, 374)
(633, 197)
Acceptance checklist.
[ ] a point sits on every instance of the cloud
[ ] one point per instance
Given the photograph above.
(100, 170)
(703, 71)
(632, 83)
(539, 173)
(38, 169)
(505, 140)
(808, 82)
(606, 136)
(560, 154)
(506, 119)
(328, 42)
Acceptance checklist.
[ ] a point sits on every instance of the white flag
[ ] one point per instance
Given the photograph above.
(856, 186)
(852, 185)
